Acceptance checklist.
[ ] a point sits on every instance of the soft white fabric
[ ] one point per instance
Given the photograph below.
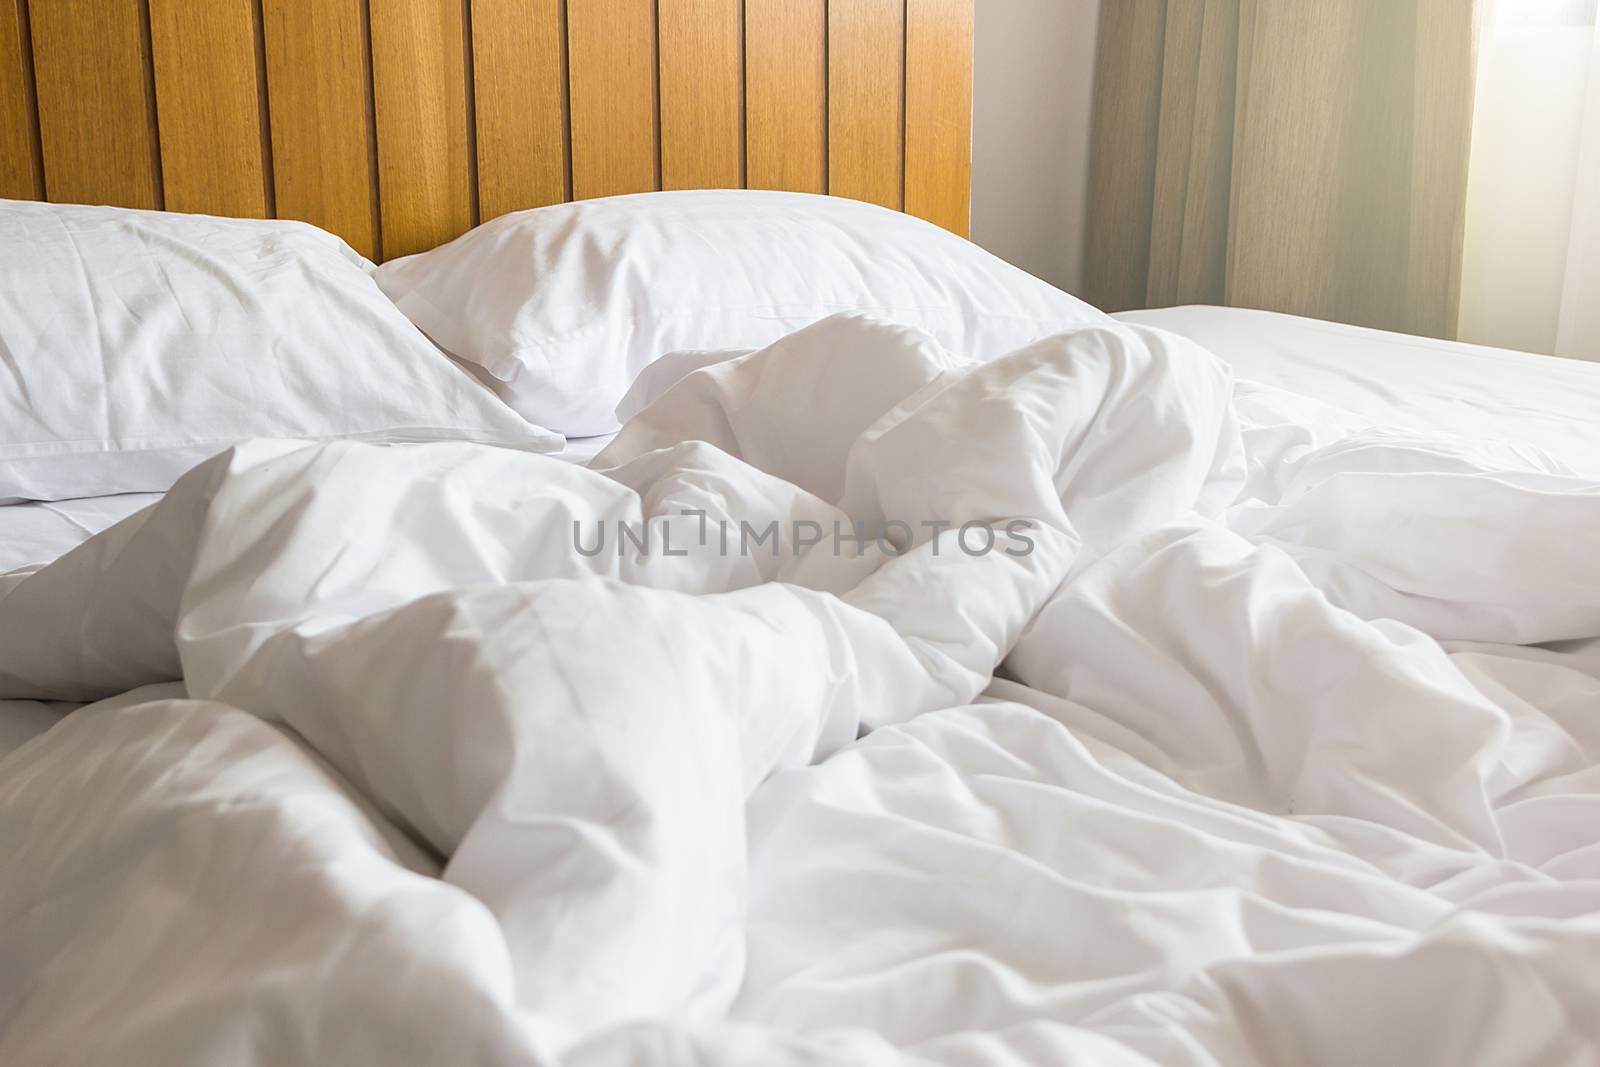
(1375, 377)
(666, 372)
(38, 533)
(565, 305)
(35, 534)
(1548, 406)
(23, 720)
(134, 344)
(1286, 787)
(581, 450)
(31, 537)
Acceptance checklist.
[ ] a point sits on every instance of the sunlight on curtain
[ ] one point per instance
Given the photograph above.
(1531, 262)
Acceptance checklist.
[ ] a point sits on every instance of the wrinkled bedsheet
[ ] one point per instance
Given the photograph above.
(1086, 707)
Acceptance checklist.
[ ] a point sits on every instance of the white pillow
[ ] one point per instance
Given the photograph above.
(565, 305)
(134, 344)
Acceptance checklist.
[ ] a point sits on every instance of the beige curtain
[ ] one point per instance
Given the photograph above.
(1306, 156)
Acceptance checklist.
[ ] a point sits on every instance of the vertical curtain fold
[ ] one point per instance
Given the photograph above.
(1578, 330)
(1531, 264)
(1129, 61)
(1194, 154)
(1302, 157)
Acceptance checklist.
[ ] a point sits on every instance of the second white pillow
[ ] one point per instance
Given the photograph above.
(563, 306)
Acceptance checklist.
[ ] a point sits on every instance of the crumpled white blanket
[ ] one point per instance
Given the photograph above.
(1293, 757)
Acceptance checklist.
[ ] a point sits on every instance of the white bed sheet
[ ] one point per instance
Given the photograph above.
(38, 533)
(1287, 787)
(1390, 379)
(581, 450)
(33, 535)
(1403, 381)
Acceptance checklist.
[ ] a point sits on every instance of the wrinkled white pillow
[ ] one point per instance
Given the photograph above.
(563, 306)
(134, 344)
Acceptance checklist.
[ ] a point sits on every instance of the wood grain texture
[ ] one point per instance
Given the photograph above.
(1122, 152)
(702, 79)
(319, 87)
(426, 166)
(1194, 154)
(211, 116)
(938, 130)
(21, 171)
(97, 126)
(866, 95)
(398, 124)
(786, 95)
(520, 76)
(611, 48)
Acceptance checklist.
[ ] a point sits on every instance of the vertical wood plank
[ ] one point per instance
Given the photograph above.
(320, 94)
(939, 112)
(786, 95)
(21, 175)
(612, 61)
(702, 138)
(519, 70)
(97, 127)
(419, 87)
(208, 102)
(866, 94)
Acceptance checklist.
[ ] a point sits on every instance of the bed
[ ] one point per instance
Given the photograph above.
(718, 626)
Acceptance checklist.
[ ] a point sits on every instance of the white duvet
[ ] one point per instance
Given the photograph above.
(1293, 755)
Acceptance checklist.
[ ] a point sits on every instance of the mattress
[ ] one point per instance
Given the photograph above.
(1399, 380)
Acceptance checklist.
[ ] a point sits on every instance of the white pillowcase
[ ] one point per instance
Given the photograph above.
(565, 305)
(134, 344)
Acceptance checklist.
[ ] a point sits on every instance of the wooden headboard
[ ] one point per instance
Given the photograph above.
(399, 124)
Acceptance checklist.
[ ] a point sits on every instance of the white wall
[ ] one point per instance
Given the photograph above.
(1033, 81)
